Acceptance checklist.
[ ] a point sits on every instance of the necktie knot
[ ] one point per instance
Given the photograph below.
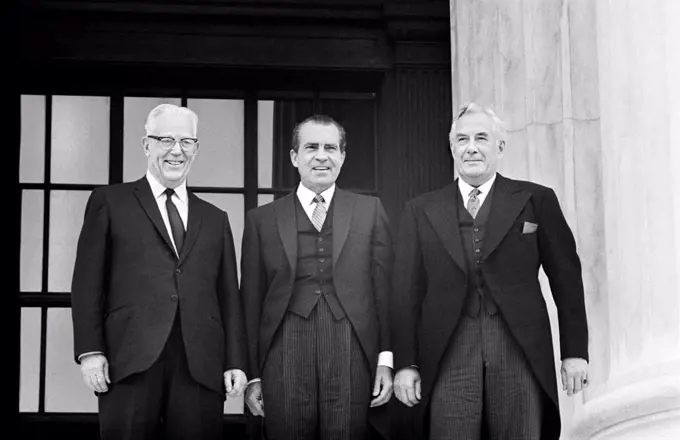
(169, 192)
(318, 198)
(475, 192)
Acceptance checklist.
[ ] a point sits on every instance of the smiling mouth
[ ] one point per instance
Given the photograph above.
(321, 169)
(174, 162)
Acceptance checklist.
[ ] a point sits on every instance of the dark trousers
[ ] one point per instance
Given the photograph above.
(316, 383)
(163, 402)
(485, 378)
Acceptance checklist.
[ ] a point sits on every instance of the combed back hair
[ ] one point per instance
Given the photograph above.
(321, 120)
(472, 108)
(169, 108)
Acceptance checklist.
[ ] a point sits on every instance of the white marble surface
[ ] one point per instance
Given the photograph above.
(590, 92)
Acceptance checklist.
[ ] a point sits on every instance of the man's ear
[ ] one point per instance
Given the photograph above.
(293, 157)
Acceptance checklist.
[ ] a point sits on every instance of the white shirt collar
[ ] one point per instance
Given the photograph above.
(466, 188)
(306, 195)
(158, 189)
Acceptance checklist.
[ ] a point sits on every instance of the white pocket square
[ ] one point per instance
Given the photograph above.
(529, 228)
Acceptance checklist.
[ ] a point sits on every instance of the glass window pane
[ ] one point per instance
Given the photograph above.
(233, 204)
(32, 204)
(135, 112)
(67, 209)
(32, 154)
(265, 143)
(65, 390)
(80, 139)
(30, 359)
(220, 156)
(263, 199)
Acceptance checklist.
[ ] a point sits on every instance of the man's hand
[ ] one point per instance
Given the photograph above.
(407, 386)
(95, 371)
(235, 382)
(574, 373)
(382, 388)
(254, 398)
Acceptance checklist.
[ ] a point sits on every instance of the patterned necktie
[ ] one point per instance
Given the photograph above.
(473, 202)
(176, 224)
(319, 214)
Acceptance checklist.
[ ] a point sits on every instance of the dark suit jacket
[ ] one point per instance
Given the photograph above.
(429, 283)
(128, 284)
(362, 259)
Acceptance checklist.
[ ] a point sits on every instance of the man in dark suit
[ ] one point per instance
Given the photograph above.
(157, 318)
(315, 279)
(471, 332)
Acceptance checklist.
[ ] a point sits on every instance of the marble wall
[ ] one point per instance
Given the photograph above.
(589, 94)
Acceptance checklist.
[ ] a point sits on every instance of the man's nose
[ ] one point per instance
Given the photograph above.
(176, 149)
(472, 148)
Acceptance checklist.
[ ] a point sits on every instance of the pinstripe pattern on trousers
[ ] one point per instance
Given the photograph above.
(485, 378)
(316, 383)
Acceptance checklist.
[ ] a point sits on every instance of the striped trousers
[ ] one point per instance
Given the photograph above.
(316, 383)
(485, 384)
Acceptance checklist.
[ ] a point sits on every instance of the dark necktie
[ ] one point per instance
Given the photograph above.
(176, 224)
(473, 202)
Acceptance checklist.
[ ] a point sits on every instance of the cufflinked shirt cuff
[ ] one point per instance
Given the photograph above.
(257, 379)
(385, 359)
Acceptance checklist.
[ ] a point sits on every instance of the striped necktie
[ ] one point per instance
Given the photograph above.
(319, 214)
(473, 202)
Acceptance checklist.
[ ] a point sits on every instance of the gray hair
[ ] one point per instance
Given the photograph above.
(473, 108)
(169, 108)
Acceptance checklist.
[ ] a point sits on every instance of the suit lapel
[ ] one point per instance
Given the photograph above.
(146, 199)
(508, 202)
(194, 226)
(444, 218)
(285, 219)
(343, 209)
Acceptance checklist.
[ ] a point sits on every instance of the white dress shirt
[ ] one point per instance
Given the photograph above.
(465, 189)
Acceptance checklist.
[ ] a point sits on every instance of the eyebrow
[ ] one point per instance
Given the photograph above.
(316, 144)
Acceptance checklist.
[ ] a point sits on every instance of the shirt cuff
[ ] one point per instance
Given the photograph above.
(88, 353)
(257, 379)
(385, 359)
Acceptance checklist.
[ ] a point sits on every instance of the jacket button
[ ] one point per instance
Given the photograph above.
(178, 270)
(318, 292)
(173, 297)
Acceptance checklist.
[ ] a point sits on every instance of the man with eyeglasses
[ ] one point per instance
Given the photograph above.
(157, 320)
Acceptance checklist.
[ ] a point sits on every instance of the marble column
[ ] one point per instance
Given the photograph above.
(576, 81)
(639, 69)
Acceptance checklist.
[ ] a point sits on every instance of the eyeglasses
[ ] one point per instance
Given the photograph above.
(188, 145)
